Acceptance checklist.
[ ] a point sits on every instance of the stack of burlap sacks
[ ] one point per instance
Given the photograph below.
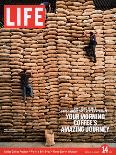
(62, 76)
(51, 72)
(109, 18)
(33, 60)
(5, 84)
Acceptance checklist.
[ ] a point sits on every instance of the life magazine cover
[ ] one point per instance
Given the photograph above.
(58, 77)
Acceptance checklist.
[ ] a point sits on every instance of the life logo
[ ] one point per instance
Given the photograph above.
(24, 16)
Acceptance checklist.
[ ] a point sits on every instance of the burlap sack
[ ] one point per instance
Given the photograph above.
(49, 135)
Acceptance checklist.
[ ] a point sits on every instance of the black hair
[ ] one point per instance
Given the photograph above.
(24, 70)
(91, 33)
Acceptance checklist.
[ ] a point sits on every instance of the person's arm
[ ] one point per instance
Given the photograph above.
(21, 73)
(85, 34)
(28, 74)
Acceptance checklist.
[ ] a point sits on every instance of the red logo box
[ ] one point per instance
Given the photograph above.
(24, 16)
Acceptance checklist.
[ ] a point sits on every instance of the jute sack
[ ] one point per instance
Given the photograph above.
(60, 2)
(63, 11)
(62, 6)
(49, 135)
(61, 15)
(77, 4)
(62, 19)
(61, 23)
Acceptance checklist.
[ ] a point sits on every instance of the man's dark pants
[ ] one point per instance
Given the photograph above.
(92, 47)
(27, 91)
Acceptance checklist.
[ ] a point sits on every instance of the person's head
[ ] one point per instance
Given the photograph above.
(91, 33)
(42, 3)
(24, 70)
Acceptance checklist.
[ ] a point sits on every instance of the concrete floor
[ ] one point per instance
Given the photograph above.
(58, 144)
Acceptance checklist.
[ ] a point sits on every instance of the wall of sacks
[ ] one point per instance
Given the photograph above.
(62, 76)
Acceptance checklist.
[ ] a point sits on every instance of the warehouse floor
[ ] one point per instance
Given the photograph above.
(58, 144)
